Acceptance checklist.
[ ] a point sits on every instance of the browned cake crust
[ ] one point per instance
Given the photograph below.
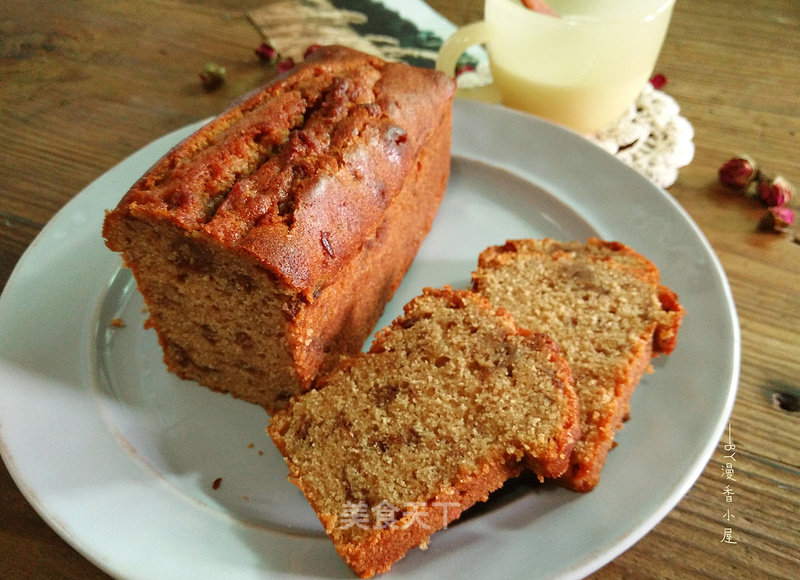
(450, 401)
(605, 306)
(267, 243)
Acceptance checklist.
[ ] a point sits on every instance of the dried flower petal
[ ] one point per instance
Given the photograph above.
(285, 64)
(774, 192)
(266, 53)
(464, 68)
(311, 50)
(658, 81)
(539, 6)
(778, 218)
(212, 75)
(738, 172)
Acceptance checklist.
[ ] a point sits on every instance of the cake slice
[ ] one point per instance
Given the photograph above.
(267, 244)
(605, 306)
(450, 401)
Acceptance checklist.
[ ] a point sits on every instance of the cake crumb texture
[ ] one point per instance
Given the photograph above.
(604, 305)
(450, 401)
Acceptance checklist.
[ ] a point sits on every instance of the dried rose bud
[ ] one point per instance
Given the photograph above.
(774, 192)
(266, 53)
(311, 50)
(658, 81)
(285, 64)
(738, 172)
(778, 218)
(212, 76)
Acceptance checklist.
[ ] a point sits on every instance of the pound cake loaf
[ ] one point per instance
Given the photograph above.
(452, 399)
(604, 305)
(267, 244)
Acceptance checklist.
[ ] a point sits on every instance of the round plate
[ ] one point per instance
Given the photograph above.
(153, 477)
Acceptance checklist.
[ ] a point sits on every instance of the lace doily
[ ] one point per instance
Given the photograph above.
(652, 138)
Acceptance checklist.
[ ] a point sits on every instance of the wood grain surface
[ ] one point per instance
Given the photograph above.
(85, 83)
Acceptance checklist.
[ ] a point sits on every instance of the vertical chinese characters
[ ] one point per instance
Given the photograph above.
(728, 473)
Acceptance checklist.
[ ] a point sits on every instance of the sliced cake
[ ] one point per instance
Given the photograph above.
(450, 401)
(604, 305)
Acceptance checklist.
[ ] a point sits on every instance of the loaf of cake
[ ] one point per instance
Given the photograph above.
(604, 305)
(450, 401)
(267, 244)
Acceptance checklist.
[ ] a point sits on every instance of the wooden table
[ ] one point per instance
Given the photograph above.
(85, 83)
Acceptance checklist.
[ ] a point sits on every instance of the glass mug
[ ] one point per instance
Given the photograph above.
(582, 68)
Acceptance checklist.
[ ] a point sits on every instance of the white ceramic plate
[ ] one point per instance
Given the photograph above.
(120, 457)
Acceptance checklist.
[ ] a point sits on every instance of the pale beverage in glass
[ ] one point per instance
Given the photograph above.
(582, 68)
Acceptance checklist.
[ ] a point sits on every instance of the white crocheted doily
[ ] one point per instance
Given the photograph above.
(652, 137)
